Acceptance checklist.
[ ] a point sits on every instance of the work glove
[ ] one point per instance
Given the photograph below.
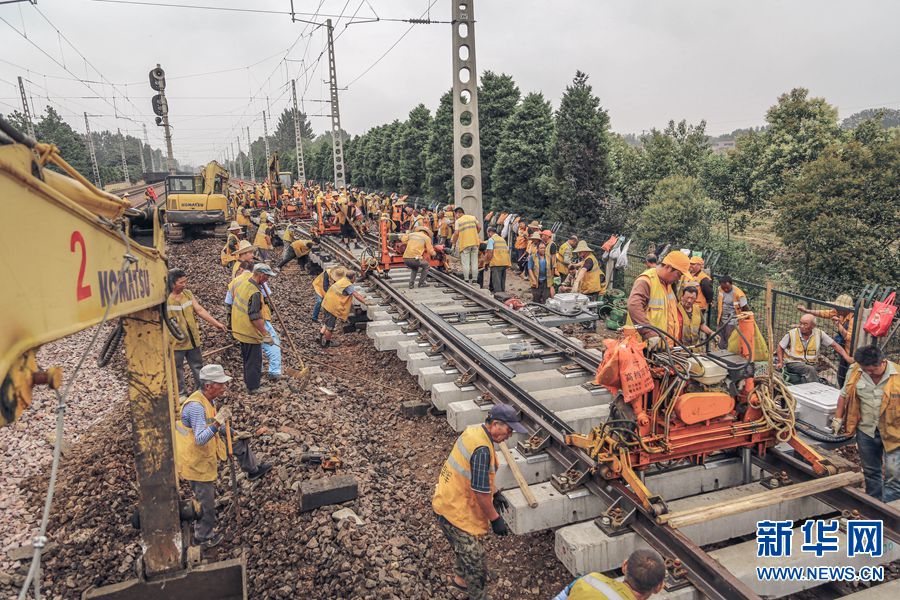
(268, 340)
(499, 526)
(222, 416)
(500, 503)
(654, 343)
(836, 425)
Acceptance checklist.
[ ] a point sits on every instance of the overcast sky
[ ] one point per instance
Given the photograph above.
(649, 60)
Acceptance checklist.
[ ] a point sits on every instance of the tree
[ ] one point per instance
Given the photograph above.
(439, 152)
(679, 211)
(841, 215)
(523, 158)
(581, 171)
(497, 99)
(885, 117)
(413, 142)
(388, 167)
(283, 138)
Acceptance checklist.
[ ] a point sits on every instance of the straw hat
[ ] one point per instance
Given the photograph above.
(534, 225)
(244, 246)
(582, 247)
(536, 237)
(844, 300)
(234, 226)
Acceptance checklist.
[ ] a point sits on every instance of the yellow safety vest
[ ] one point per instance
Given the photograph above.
(226, 257)
(301, 247)
(561, 267)
(467, 227)
(662, 307)
(738, 294)
(192, 461)
(182, 312)
(319, 282)
(242, 328)
(242, 218)
(701, 299)
(260, 240)
(500, 257)
(454, 498)
(336, 302)
(591, 283)
(889, 416)
(690, 325)
(807, 353)
(596, 586)
(416, 244)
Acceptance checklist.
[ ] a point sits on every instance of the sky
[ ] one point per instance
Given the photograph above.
(649, 61)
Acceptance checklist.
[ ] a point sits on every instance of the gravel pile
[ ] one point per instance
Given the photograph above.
(351, 407)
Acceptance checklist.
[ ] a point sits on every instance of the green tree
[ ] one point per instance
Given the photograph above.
(497, 99)
(841, 216)
(580, 168)
(439, 152)
(283, 138)
(523, 158)
(679, 211)
(372, 159)
(388, 167)
(413, 143)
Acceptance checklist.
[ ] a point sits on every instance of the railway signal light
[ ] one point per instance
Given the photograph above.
(160, 106)
(158, 79)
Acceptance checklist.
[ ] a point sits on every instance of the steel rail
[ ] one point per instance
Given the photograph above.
(705, 573)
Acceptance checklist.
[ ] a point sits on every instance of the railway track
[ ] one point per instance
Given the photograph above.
(449, 337)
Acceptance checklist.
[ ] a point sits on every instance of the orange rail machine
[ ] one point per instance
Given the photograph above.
(392, 248)
(675, 405)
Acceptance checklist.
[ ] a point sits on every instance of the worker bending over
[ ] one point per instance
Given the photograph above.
(800, 348)
(200, 443)
(249, 313)
(337, 302)
(183, 308)
(299, 250)
(321, 284)
(464, 499)
(418, 250)
(652, 300)
(870, 404)
(644, 575)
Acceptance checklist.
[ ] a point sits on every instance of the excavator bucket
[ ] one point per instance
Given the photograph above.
(224, 580)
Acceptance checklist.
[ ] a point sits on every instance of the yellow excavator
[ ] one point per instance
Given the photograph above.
(86, 270)
(198, 203)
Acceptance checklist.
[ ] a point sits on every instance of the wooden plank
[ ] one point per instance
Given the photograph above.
(699, 514)
(520, 479)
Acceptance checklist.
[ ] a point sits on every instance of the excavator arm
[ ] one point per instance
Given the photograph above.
(69, 264)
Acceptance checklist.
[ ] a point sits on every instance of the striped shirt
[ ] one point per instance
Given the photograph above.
(194, 416)
(480, 465)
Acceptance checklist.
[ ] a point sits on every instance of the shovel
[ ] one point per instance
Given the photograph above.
(302, 375)
(234, 484)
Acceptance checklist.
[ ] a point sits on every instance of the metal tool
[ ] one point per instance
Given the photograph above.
(234, 484)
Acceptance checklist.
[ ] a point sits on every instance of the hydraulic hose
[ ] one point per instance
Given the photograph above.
(817, 434)
(111, 344)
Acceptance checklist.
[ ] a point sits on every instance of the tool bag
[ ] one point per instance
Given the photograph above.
(879, 322)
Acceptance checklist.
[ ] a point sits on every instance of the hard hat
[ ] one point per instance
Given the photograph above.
(678, 260)
(582, 247)
(697, 260)
(844, 300)
(234, 225)
(547, 232)
(244, 246)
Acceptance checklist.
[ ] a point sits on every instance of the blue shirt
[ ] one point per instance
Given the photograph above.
(542, 266)
(194, 416)
(480, 466)
(490, 244)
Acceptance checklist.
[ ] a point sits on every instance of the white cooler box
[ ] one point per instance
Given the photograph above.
(816, 403)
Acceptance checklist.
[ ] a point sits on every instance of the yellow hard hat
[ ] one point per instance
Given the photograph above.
(697, 260)
(678, 260)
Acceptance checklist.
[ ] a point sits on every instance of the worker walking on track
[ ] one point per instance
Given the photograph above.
(652, 299)
(337, 302)
(800, 348)
(869, 404)
(200, 445)
(464, 499)
(418, 250)
(249, 314)
(497, 257)
(467, 237)
(183, 308)
(645, 575)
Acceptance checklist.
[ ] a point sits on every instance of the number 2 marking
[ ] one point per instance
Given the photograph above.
(81, 291)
